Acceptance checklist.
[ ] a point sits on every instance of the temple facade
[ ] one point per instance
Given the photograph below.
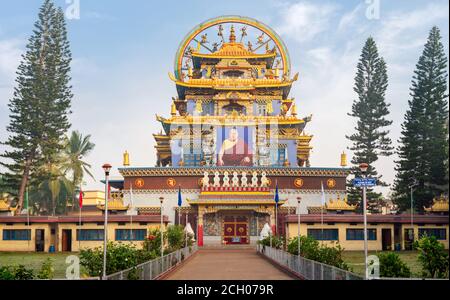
(234, 134)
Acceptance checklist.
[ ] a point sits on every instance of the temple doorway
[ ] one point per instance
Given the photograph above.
(235, 230)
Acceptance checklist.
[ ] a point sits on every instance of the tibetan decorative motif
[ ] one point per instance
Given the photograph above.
(331, 183)
(298, 182)
(139, 183)
(171, 182)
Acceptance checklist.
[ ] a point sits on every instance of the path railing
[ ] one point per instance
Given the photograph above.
(154, 268)
(306, 268)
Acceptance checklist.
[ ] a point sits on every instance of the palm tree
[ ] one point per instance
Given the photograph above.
(56, 186)
(76, 148)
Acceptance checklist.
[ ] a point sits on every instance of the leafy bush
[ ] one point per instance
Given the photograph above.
(277, 242)
(392, 266)
(175, 237)
(308, 247)
(313, 250)
(119, 257)
(47, 271)
(6, 273)
(152, 243)
(16, 273)
(433, 257)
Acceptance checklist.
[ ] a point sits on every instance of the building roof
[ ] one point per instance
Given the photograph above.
(439, 205)
(234, 50)
(85, 219)
(358, 218)
(339, 204)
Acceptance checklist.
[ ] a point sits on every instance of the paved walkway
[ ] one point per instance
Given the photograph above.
(228, 265)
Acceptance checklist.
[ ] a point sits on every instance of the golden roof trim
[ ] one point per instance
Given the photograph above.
(439, 205)
(233, 50)
(339, 204)
(198, 171)
(114, 204)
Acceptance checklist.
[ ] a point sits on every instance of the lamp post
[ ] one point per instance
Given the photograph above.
(298, 224)
(161, 200)
(363, 167)
(106, 168)
(412, 205)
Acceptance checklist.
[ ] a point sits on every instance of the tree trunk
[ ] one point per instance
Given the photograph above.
(23, 185)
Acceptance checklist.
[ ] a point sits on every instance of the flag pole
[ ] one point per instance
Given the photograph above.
(131, 215)
(321, 211)
(28, 219)
(80, 205)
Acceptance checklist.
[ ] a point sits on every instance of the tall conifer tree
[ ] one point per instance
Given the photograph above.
(370, 109)
(423, 150)
(41, 101)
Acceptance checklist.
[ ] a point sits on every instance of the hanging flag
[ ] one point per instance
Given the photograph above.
(109, 192)
(80, 199)
(131, 194)
(277, 197)
(180, 200)
(323, 194)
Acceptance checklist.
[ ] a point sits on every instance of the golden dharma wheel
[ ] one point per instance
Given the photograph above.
(207, 38)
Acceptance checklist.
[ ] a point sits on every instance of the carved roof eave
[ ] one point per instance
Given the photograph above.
(198, 171)
(234, 201)
(251, 120)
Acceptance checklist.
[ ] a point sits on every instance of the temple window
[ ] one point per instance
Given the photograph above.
(438, 233)
(208, 108)
(233, 74)
(261, 109)
(278, 154)
(324, 234)
(234, 108)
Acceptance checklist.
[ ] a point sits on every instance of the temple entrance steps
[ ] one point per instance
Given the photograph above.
(227, 263)
(229, 247)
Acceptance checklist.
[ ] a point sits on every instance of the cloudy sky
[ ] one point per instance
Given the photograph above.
(123, 51)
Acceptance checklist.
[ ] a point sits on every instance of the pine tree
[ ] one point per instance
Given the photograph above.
(40, 104)
(370, 109)
(423, 150)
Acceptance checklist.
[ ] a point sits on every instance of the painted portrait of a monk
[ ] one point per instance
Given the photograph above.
(235, 151)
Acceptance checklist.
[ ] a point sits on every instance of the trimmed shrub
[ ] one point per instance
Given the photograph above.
(433, 257)
(392, 266)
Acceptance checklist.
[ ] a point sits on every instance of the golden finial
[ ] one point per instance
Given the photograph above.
(173, 110)
(294, 110)
(343, 159)
(232, 35)
(269, 107)
(198, 107)
(126, 159)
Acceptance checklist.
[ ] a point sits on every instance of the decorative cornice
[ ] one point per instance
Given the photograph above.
(198, 171)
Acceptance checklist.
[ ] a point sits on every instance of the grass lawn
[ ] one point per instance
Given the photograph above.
(355, 260)
(34, 261)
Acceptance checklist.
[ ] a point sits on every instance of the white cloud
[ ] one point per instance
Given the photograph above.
(10, 52)
(305, 20)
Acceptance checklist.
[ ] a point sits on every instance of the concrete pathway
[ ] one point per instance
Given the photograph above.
(242, 264)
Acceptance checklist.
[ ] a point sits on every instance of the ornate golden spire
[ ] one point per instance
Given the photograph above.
(343, 159)
(232, 35)
(126, 159)
(294, 109)
(173, 110)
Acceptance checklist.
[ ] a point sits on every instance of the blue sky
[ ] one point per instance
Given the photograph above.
(123, 51)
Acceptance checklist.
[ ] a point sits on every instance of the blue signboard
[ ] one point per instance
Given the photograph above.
(364, 182)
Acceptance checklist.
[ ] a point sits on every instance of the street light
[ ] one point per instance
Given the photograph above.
(106, 168)
(414, 184)
(363, 167)
(298, 224)
(161, 200)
